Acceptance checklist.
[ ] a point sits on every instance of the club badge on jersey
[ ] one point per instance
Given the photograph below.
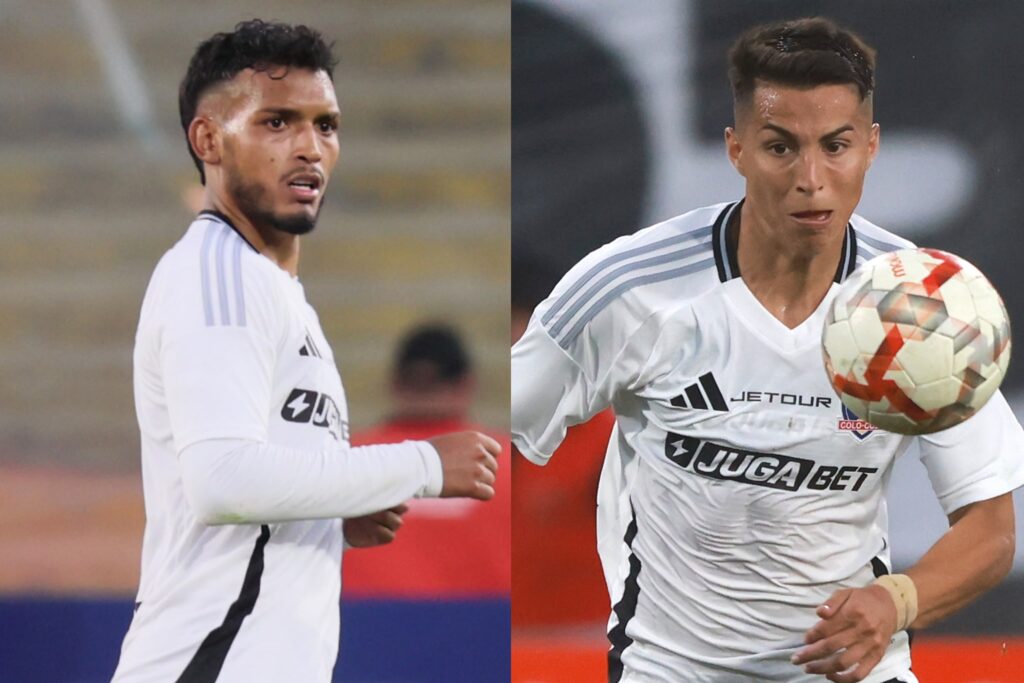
(853, 425)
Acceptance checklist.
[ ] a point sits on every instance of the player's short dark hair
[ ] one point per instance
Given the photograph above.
(429, 355)
(802, 53)
(254, 44)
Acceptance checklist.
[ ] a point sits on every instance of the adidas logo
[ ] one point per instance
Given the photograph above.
(309, 348)
(703, 394)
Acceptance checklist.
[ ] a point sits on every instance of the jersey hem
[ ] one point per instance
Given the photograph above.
(529, 452)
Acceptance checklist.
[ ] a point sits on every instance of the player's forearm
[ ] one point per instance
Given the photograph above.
(229, 481)
(971, 558)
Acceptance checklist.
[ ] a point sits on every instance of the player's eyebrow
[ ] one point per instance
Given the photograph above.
(838, 131)
(787, 134)
(332, 117)
(288, 114)
(283, 112)
(780, 130)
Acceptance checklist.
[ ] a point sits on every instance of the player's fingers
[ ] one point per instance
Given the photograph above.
(826, 628)
(490, 462)
(489, 444)
(485, 476)
(390, 520)
(483, 491)
(829, 665)
(842, 661)
(400, 509)
(855, 673)
(832, 620)
(825, 647)
(835, 603)
(383, 535)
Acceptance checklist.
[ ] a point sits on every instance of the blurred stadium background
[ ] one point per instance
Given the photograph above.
(617, 123)
(94, 181)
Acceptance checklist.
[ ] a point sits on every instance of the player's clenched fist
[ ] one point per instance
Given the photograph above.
(376, 529)
(469, 461)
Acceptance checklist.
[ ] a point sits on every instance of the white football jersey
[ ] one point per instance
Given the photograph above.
(228, 348)
(737, 494)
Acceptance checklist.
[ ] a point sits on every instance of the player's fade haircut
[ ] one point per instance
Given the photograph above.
(802, 53)
(254, 44)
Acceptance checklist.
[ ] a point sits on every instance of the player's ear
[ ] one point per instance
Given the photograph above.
(204, 138)
(734, 149)
(874, 138)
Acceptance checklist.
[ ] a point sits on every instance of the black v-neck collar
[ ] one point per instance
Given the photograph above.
(227, 221)
(728, 264)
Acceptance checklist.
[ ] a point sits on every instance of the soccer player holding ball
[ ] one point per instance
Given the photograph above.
(741, 514)
(251, 487)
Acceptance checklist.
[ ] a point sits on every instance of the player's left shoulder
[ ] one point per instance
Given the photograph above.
(241, 287)
(872, 240)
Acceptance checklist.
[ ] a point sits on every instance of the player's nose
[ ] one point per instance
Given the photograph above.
(809, 174)
(308, 145)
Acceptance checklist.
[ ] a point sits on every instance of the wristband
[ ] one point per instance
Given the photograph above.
(904, 595)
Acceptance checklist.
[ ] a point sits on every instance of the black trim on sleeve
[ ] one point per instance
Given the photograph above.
(624, 610)
(206, 663)
(227, 221)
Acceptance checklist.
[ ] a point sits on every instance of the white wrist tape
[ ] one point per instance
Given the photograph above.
(904, 594)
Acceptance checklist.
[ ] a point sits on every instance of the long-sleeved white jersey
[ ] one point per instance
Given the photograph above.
(246, 470)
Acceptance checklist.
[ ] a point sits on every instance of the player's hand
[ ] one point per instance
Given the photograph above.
(855, 629)
(469, 461)
(376, 529)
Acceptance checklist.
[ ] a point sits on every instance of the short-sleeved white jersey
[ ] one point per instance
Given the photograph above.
(228, 348)
(737, 494)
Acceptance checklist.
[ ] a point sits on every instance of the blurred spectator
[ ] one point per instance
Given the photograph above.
(556, 574)
(446, 547)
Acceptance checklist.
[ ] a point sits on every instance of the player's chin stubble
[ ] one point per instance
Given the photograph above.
(252, 201)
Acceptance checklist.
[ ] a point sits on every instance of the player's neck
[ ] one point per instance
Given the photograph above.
(280, 247)
(790, 282)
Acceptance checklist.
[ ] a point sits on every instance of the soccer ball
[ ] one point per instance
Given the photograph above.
(916, 341)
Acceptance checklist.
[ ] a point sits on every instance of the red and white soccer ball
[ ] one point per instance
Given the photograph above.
(916, 340)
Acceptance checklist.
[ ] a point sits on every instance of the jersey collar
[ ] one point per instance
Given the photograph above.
(725, 249)
(227, 221)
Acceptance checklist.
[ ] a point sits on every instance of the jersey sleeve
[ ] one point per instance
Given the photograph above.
(978, 459)
(233, 481)
(218, 369)
(558, 382)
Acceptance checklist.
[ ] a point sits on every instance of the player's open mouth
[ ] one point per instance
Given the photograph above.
(813, 217)
(305, 186)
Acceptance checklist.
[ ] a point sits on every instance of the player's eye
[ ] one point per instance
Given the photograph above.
(327, 127)
(835, 146)
(276, 123)
(778, 148)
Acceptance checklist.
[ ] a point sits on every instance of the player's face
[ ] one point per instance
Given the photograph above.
(804, 154)
(280, 146)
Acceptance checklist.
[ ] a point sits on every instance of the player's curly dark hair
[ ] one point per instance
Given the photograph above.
(802, 53)
(254, 44)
